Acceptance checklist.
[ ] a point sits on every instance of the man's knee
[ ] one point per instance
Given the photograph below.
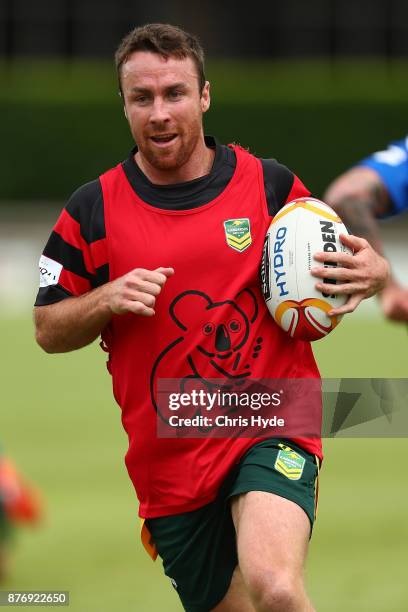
(273, 591)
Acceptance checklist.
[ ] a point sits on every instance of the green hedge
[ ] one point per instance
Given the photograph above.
(65, 127)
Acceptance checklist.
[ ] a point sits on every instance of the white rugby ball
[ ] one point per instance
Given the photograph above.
(298, 231)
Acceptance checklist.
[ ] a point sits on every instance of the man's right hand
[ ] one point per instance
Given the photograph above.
(76, 321)
(137, 291)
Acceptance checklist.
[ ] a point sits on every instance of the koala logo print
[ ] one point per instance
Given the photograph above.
(214, 343)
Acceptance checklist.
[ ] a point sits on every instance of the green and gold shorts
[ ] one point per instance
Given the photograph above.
(198, 548)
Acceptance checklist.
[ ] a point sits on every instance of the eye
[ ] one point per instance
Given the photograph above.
(141, 100)
(208, 329)
(175, 94)
(234, 325)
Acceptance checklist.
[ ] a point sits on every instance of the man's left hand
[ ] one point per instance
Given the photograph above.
(361, 275)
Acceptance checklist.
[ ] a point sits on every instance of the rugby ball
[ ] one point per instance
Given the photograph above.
(298, 231)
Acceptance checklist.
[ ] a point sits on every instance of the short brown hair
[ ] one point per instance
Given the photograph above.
(165, 40)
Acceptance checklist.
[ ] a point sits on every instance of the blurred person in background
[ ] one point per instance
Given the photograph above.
(145, 251)
(19, 505)
(4, 538)
(374, 189)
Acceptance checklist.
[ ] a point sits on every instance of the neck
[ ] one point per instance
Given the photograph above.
(198, 164)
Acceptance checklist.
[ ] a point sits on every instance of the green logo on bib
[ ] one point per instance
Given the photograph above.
(290, 464)
(238, 234)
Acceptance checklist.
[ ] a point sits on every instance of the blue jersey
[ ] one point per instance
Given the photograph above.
(392, 167)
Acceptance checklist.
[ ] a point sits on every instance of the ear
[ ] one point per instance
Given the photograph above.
(124, 110)
(183, 310)
(205, 97)
(246, 300)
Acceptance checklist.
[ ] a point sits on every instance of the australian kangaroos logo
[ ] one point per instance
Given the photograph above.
(238, 234)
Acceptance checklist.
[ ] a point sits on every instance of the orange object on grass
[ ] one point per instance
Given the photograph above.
(20, 500)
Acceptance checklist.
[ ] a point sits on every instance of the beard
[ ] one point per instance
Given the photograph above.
(176, 156)
(167, 160)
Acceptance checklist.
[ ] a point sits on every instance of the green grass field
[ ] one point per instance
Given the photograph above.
(61, 425)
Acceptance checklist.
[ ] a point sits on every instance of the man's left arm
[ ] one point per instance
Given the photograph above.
(360, 275)
(363, 274)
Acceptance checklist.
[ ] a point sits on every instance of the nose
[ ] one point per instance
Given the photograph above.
(222, 339)
(159, 111)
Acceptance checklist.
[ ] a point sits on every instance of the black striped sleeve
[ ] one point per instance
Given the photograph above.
(278, 181)
(74, 259)
(281, 185)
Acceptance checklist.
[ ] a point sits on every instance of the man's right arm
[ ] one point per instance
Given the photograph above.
(76, 301)
(75, 322)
